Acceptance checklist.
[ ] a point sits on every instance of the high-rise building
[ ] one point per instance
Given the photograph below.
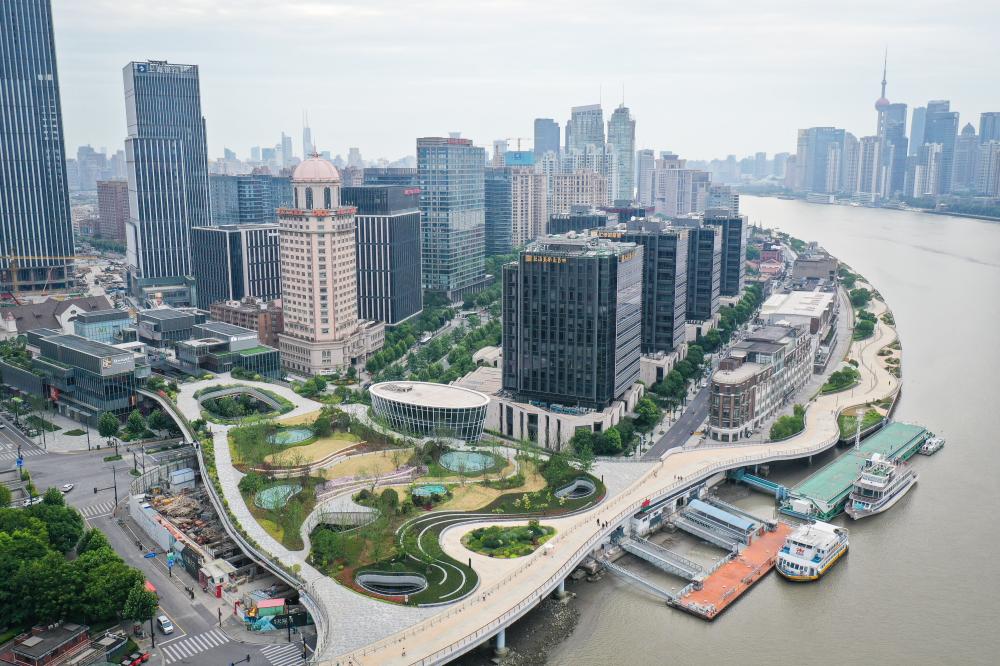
(112, 209)
(918, 123)
(601, 159)
(760, 169)
(572, 321)
(254, 314)
(732, 269)
(890, 153)
(989, 126)
(390, 176)
(723, 198)
(34, 198)
(818, 159)
(452, 209)
(308, 147)
(678, 190)
(925, 176)
(233, 262)
(621, 137)
(168, 173)
(255, 153)
(248, 198)
(942, 127)
(319, 278)
(546, 136)
(664, 280)
(868, 167)
(388, 251)
(286, 151)
(354, 158)
(966, 156)
(579, 219)
(585, 127)
(988, 169)
(499, 210)
(704, 272)
(779, 165)
(516, 207)
(580, 188)
(499, 150)
(645, 163)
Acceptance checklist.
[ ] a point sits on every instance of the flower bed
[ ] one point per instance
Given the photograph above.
(508, 542)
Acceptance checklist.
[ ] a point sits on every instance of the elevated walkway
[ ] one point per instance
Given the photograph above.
(779, 491)
(661, 558)
(667, 596)
(824, 494)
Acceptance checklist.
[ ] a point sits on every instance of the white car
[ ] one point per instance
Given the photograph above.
(31, 501)
(66, 488)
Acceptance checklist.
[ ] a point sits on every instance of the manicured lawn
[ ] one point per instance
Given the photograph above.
(508, 541)
(369, 464)
(848, 424)
(317, 450)
(473, 495)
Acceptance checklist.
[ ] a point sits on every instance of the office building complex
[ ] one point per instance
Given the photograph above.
(818, 159)
(36, 232)
(621, 137)
(585, 128)
(989, 126)
(704, 273)
(235, 261)
(664, 280)
(112, 209)
(918, 123)
(453, 218)
(217, 347)
(677, 190)
(249, 198)
(516, 207)
(572, 321)
(579, 219)
(580, 188)
(942, 128)
(388, 251)
(754, 381)
(732, 269)
(546, 137)
(105, 326)
(391, 176)
(167, 174)
(723, 198)
(499, 210)
(966, 158)
(319, 277)
(254, 314)
(424, 409)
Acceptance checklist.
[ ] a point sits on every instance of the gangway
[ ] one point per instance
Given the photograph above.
(705, 533)
(722, 522)
(669, 597)
(726, 506)
(740, 475)
(661, 558)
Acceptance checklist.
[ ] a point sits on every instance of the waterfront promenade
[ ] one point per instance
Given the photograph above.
(508, 591)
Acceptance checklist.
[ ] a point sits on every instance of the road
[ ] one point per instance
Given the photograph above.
(691, 419)
(197, 638)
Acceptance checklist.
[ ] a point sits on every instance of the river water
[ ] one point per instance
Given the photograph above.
(921, 584)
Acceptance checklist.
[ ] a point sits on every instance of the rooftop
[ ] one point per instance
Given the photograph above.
(316, 169)
(573, 245)
(43, 641)
(800, 303)
(225, 330)
(426, 394)
(163, 314)
(485, 379)
(737, 376)
(86, 346)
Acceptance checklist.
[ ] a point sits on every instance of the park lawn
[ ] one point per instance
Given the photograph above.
(300, 419)
(368, 464)
(317, 450)
(473, 496)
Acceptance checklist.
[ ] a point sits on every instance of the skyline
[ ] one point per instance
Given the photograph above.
(409, 84)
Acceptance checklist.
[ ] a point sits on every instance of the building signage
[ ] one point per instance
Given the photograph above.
(543, 259)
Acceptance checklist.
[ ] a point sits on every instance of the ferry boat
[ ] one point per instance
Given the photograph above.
(931, 446)
(810, 550)
(881, 484)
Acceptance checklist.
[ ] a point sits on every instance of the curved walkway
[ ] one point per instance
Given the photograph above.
(505, 594)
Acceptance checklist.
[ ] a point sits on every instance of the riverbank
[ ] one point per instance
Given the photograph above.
(910, 209)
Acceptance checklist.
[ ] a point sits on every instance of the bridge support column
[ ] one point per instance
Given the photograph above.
(561, 591)
(500, 649)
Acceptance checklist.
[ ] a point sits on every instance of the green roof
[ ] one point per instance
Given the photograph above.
(259, 349)
(836, 478)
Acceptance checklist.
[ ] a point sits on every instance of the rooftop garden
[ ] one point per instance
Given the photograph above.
(508, 542)
(235, 407)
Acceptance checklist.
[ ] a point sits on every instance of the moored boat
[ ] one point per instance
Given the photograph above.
(932, 446)
(810, 550)
(880, 485)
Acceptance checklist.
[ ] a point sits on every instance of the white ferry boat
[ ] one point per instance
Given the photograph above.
(881, 484)
(931, 446)
(810, 550)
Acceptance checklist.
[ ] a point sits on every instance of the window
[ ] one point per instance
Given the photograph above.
(327, 201)
(309, 198)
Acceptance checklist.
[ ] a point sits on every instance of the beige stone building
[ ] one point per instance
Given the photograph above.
(529, 206)
(319, 277)
(587, 188)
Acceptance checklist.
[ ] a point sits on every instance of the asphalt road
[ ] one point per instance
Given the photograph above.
(197, 638)
(691, 419)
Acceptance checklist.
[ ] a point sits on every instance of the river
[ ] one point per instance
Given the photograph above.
(920, 585)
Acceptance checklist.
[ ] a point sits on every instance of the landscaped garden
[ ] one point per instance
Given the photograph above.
(508, 542)
(233, 407)
(864, 327)
(849, 423)
(280, 506)
(841, 380)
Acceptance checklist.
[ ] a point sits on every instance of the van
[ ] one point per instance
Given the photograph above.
(166, 626)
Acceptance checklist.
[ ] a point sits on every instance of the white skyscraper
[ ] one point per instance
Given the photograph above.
(621, 139)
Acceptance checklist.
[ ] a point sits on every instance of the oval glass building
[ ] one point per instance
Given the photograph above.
(430, 410)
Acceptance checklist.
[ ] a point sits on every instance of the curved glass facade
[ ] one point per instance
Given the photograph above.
(464, 423)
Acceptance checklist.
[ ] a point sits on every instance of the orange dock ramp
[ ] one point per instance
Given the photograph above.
(725, 585)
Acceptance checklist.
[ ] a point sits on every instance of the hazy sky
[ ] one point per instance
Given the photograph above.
(702, 78)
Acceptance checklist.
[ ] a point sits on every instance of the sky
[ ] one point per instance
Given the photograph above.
(703, 79)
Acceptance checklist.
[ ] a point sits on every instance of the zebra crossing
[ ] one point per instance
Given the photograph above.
(284, 654)
(193, 645)
(12, 455)
(97, 510)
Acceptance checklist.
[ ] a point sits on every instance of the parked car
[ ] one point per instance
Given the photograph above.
(31, 501)
(66, 488)
(166, 626)
(135, 659)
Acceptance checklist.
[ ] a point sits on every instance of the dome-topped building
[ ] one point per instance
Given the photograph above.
(315, 184)
(316, 169)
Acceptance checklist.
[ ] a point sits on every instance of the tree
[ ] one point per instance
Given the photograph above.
(135, 425)
(860, 297)
(648, 414)
(53, 497)
(585, 456)
(389, 499)
(158, 420)
(609, 442)
(93, 539)
(108, 426)
(141, 604)
(322, 426)
(5, 496)
(63, 523)
(863, 329)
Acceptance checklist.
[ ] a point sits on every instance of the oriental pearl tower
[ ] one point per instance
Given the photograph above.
(882, 158)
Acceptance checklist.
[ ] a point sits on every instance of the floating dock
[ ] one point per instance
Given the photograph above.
(723, 586)
(824, 494)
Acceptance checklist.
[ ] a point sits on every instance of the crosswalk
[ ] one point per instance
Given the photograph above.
(12, 455)
(284, 654)
(97, 510)
(192, 645)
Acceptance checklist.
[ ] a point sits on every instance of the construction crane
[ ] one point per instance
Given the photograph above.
(13, 267)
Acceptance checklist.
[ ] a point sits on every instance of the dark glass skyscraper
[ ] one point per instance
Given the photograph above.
(233, 262)
(704, 270)
(452, 210)
(167, 172)
(248, 198)
(572, 321)
(732, 268)
(499, 210)
(546, 137)
(989, 126)
(34, 200)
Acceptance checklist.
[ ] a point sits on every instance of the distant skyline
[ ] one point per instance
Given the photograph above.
(702, 81)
